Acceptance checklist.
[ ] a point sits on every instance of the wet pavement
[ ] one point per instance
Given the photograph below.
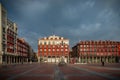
(47, 71)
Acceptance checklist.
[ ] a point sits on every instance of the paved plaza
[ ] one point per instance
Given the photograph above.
(47, 71)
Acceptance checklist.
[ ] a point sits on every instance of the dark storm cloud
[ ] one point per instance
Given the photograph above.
(73, 19)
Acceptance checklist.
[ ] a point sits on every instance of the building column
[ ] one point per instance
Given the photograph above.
(8, 59)
(88, 59)
(55, 59)
(0, 58)
(47, 59)
(59, 58)
(96, 59)
(119, 59)
(106, 59)
(82, 59)
(111, 59)
(51, 59)
(27, 59)
(85, 59)
(23, 59)
(99, 59)
(5, 59)
(39, 59)
(19, 59)
(92, 59)
(79, 59)
(13, 59)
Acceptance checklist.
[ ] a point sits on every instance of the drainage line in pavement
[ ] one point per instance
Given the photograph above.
(58, 74)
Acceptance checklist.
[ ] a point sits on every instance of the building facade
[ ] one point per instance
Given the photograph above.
(35, 57)
(53, 49)
(12, 48)
(3, 25)
(30, 54)
(11, 40)
(97, 51)
(22, 50)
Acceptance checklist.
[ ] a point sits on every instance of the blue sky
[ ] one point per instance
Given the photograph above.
(73, 19)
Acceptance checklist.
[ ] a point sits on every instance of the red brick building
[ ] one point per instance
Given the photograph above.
(119, 50)
(95, 51)
(22, 50)
(53, 49)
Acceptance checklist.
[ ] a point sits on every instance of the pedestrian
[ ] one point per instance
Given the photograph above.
(102, 63)
(22, 62)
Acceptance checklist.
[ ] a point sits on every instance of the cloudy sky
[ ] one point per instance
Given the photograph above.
(73, 19)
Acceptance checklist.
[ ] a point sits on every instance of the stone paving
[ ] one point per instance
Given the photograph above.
(47, 71)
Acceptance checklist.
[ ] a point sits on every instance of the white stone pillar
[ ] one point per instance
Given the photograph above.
(51, 59)
(0, 59)
(79, 59)
(55, 59)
